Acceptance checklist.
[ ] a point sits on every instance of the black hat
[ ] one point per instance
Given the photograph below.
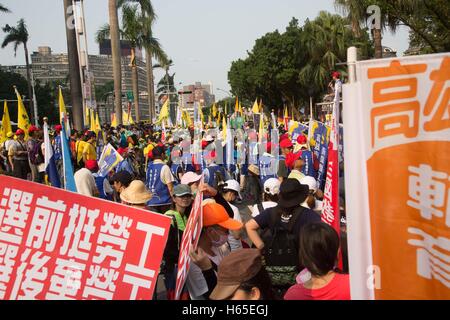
(157, 151)
(124, 177)
(292, 193)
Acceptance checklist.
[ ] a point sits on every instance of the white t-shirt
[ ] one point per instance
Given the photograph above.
(235, 244)
(265, 205)
(195, 282)
(85, 182)
(166, 175)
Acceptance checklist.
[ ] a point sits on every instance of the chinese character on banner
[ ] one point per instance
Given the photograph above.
(58, 245)
(398, 172)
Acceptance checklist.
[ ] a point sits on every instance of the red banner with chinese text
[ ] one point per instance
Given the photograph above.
(57, 245)
(191, 236)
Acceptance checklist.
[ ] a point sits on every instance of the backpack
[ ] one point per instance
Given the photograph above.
(281, 249)
(35, 154)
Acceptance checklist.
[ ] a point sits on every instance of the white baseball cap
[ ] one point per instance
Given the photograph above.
(190, 177)
(233, 185)
(272, 186)
(209, 138)
(310, 182)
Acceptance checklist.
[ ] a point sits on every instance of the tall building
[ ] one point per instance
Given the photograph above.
(48, 66)
(197, 93)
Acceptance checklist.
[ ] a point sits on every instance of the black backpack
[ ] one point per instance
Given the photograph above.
(35, 154)
(281, 249)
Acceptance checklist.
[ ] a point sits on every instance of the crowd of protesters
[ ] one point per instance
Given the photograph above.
(283, 251)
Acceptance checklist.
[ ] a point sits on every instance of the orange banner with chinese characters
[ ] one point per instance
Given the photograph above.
(405, 151)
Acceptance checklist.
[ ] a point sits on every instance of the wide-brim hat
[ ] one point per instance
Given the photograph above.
(253, 168)
(292, 193)
(136, 193)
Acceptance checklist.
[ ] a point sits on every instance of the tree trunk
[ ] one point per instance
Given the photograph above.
(134, 81)
(30, 91)
(116, 58)
(150, 84)
(377, 43)
(76, 94)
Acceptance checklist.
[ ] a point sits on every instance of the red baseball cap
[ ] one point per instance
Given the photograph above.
(58, 128)
(291, 158)
(19, 132)
(32, 129)
(91, 165)
(286, 143)
(301, 139)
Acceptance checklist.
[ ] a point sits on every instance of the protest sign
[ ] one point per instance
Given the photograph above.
(108, 160)
(191, 235)
(58, 245)
(397, 169)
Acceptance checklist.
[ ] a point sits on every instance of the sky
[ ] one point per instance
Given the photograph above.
(202, 37)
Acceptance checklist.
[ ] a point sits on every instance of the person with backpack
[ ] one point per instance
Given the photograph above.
(213, 173)
(281, 227)
(270, 197)
(318, 253)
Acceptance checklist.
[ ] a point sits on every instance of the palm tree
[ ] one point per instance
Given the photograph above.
(4, 9)
(19, 35)
(150, 52)
(134, 31)
(116, 58)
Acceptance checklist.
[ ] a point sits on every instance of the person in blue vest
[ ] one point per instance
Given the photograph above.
(267, 165)
(159, 181)
(103, 186)
(310, 161)
(213, 174)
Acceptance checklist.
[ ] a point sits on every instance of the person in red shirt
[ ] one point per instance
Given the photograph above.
(319, 246)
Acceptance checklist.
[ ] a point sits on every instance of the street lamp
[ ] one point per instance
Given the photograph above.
(227, 92)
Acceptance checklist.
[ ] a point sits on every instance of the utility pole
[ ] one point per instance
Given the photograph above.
(74, 66)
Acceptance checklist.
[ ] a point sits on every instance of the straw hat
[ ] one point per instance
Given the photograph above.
(136, 193)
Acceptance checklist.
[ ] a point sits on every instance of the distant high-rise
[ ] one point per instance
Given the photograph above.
(48, 67)
(199, 93)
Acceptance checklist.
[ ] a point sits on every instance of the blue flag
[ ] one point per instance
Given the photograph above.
(67, 162)
(50, 164)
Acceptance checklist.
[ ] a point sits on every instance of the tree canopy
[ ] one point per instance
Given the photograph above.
(287, 68)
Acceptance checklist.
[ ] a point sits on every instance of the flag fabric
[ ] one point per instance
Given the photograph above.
(23, 121)
(214, 111)
(236, 107)
(6, 123)
(92, 120)
(255, 108)
(286, 119)
(86, 116)
(113, 120)
(240, 109)
(108, 160)
(330, 210)
(164, 112)
(274, 120)
(63, 113)
(49, 160)
(98, 128)
(69, 180)
(261, 128)
(224, 129)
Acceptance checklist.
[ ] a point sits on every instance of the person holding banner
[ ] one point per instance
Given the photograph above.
(182, 204)
(318, 253)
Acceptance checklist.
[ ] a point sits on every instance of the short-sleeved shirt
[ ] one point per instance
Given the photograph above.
(337, 289)
(89, 149)
(166, 175)
(282, 169)
(85, 182)
(79, 147)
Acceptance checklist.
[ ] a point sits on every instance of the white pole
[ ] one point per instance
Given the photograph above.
(352, 54)
(34, 100)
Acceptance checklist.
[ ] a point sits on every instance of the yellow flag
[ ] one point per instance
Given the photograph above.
(214, 110)
(286, 113)
(98, 128)
(92, 121)
(6, 123)
(224, 129)
(23, 121)
(62, 106)
(240, 109)
(164, 113)
(255, 108)
(202, 118)
(261, 127)
(87, 118)
(114, 121)
(236, 108)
